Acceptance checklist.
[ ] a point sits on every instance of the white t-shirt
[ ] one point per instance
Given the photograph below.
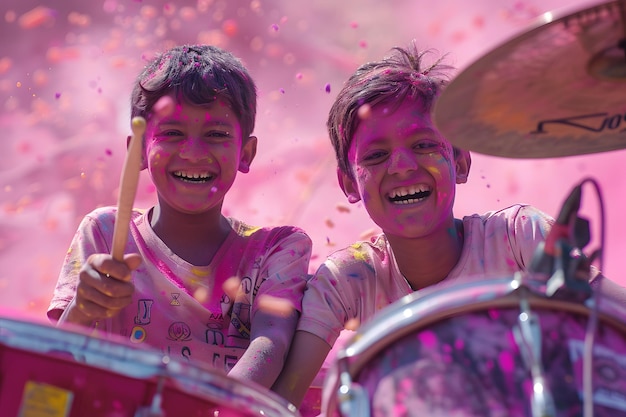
(358, 281)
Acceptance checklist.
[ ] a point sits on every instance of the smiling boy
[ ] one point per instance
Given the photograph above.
(174, 291)
(393, 159)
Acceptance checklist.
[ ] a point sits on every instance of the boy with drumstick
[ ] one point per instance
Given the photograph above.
(392, 158)
(193, 282)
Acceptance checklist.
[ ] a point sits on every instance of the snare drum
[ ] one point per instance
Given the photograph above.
(488, 348)
(53, 372)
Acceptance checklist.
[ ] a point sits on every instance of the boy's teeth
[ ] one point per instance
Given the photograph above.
(194, 175)
(401, 192)
(409, 195)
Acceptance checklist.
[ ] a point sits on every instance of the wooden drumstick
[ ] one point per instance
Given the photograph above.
(128, 188)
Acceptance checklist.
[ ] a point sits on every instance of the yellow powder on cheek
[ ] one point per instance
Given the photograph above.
(156, 155)
(435, 172)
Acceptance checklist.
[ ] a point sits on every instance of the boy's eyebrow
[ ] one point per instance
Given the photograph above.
(211, 122)
(413, 129)
(410, 129)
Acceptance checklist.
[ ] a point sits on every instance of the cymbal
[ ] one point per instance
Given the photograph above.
(558, 89)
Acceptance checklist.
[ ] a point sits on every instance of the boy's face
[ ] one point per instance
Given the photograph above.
(404, 170)
(193, 155)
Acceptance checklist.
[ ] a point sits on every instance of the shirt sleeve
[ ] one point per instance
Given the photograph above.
(528, 227)
(337, 293)
(324, 311)
(286, 268)
(87, 240)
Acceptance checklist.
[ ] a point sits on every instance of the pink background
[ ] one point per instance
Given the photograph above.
(66, 70)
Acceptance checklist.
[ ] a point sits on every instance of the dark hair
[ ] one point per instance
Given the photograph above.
(392, 79)
(198, 74)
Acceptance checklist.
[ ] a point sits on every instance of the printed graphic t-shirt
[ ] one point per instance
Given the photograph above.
(180, 308)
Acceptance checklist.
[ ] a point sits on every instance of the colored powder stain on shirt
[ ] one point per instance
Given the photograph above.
(76, 266)
(358, 253)
(251, 231)
(360, 256)
(200, 273)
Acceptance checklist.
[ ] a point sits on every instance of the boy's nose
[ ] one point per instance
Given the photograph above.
(402, 160)
(194, 149)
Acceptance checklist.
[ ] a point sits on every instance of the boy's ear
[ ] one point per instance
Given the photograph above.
(248, 152)
(348, 186)
(463, 162)
(144, 164)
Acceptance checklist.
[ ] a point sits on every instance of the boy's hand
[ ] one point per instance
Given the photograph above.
(104, 288)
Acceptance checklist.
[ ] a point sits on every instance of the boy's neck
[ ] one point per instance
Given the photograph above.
(194, 238)
(428, 261)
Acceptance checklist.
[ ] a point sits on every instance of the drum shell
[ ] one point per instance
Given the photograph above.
(411, 359)
(43, 367)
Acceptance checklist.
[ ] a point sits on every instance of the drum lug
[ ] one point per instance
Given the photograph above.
(154, 409)
(528, 338)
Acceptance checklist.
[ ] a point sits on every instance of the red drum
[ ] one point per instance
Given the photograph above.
(485, 348)
(53, 372)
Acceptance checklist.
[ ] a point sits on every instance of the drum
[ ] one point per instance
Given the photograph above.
(498, 347)
(51, 372)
